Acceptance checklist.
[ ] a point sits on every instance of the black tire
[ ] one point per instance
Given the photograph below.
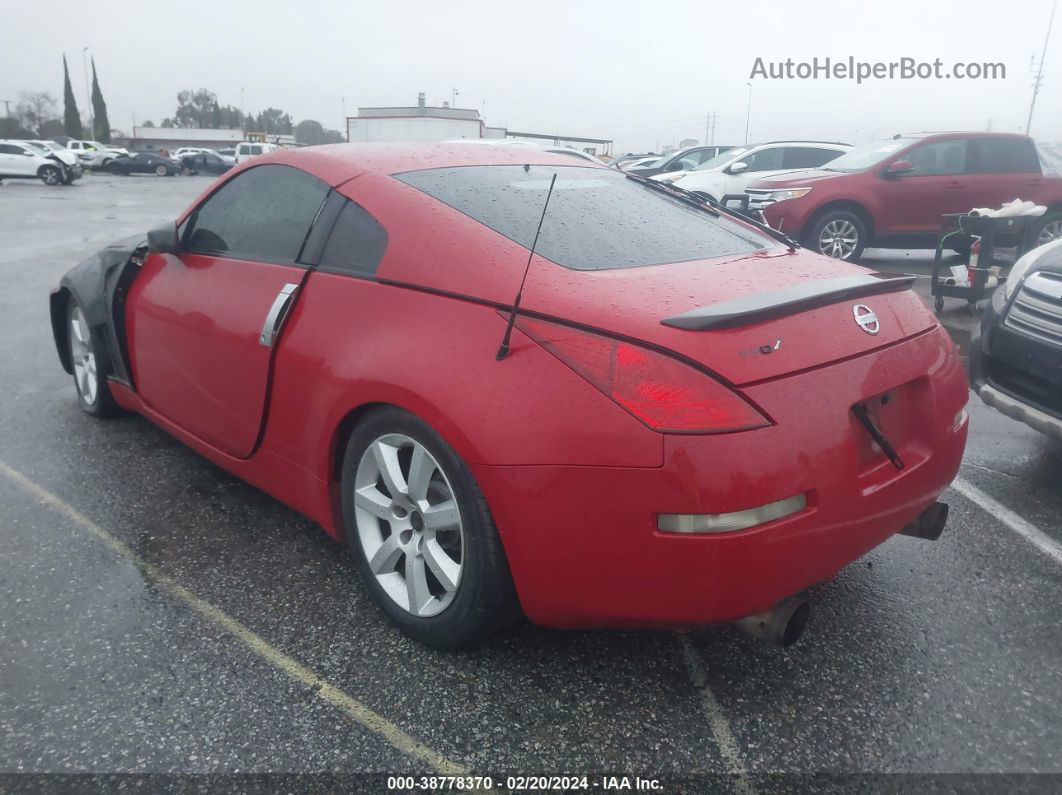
(102, 404)
(485, 598)
(1052, 221)
(161, 170)
(50, 175)
(814, 237)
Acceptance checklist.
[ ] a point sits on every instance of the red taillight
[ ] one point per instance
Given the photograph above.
(662, 392)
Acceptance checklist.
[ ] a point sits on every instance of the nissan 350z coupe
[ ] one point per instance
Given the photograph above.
(694, 421)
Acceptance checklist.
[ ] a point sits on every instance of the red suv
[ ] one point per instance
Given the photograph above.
(893, 193)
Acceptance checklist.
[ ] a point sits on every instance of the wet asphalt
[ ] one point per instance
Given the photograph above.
(941, 657)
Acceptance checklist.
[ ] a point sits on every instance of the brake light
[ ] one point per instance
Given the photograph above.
(662, 392)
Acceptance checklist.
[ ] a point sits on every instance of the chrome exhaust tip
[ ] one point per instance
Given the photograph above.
(781, 626)
(929, 524)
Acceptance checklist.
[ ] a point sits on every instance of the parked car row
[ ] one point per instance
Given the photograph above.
(896, 193)
(38, 160)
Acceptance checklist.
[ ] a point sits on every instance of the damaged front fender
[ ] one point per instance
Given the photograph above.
(99, 285)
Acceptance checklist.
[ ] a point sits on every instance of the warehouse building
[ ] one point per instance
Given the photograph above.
(423, 122)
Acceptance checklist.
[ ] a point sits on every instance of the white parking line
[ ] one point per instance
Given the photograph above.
(1034, 535)
(350, 706)
(717, 719)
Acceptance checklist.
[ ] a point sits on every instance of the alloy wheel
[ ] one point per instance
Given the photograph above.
(838, 239)
(1051, 231)
(409, 524)
(83, 357)
(51, 176)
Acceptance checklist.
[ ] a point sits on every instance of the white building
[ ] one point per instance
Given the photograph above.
(152, 139)
(423, 122)
(420, 123)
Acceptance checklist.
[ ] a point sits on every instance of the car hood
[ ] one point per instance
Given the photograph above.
(634, 302)
(794, 178)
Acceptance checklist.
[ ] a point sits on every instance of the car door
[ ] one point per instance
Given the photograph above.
(1001, 170)
(914, 202)
(12, 161)
(202, 324)
(769, 158)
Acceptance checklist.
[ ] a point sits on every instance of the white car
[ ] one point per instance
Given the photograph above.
(725, 176)
(69, 161)
(249, 149)
(20, 160)
(94, 154)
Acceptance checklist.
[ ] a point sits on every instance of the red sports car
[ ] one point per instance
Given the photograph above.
(693, 423)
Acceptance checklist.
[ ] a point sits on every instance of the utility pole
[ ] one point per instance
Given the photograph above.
(1040, 67)
(88, 92)
(707, 127)
(453, 97)
(243, 114)
(7, 104)
(748, 112)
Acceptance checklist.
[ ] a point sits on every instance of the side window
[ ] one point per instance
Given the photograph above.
(256, 150)
(1003, 156)
(939, 158)
(765, 159)
(357, 243)
(263, 213)
(242, 149)
(8, 149)
(807, 156)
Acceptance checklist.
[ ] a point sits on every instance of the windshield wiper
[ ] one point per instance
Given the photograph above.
(681, 194)
(715, 208)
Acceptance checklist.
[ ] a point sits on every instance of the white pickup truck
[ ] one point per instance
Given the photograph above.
(93, 154)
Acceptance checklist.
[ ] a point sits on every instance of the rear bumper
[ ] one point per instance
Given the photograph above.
(583, 542)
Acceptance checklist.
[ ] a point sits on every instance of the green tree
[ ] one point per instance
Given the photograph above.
(101, 124)
(309, 132)
(195, 108)
(71, 116)
(10, 128)
(332, 137)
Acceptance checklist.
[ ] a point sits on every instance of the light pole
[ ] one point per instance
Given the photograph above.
(7, 104)
(748, 112)
(453, 97)
(243, 114)
(88, 92)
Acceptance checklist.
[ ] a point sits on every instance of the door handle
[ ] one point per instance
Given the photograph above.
(277, 312)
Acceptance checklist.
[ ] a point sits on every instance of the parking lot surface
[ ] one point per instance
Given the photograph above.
(161, 616)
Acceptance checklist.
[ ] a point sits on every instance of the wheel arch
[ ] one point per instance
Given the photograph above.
(58, 306)
(340, 429)
(849, 205)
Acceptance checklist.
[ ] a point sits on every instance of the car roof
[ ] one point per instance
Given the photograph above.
(338, 163)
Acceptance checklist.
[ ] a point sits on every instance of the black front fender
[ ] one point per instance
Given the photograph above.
(98, 284)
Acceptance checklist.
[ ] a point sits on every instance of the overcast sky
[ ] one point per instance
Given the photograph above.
(644, 74)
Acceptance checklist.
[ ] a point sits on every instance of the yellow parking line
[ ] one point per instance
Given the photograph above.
(354, 709)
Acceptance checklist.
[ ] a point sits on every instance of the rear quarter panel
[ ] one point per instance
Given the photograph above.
(352, 342)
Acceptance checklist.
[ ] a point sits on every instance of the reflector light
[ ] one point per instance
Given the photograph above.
(730, 522)
(664, 393)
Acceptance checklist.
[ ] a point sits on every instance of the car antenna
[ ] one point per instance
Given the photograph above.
(503, 349)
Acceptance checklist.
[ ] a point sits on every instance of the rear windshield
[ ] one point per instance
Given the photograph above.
(597, 218)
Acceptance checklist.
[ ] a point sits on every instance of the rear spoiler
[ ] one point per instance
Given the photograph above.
(765, 306)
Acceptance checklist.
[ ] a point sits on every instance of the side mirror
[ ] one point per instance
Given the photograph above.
(738, 167)
(898, 167)
(163, 239)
